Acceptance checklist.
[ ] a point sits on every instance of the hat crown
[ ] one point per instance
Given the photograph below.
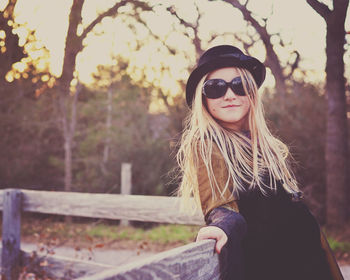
(219, 51)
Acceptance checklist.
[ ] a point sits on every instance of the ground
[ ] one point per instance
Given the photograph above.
(156, 238)
(339, 240)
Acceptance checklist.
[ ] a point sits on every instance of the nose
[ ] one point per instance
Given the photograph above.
(230, 94)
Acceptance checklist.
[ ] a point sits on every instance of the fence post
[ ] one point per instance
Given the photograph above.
(125, 185)
(11, 234)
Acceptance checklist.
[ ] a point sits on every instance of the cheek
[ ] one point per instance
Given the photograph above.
(246, 105)
(211, 105)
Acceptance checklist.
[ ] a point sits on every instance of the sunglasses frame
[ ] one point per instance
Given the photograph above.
(235, 85)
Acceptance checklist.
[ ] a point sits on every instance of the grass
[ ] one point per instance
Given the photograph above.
(338, 246)
(39, 230)
(159, 237)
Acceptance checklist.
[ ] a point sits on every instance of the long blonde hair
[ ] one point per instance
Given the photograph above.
(248, 160)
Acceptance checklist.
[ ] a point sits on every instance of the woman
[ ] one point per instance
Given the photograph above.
(240, 176)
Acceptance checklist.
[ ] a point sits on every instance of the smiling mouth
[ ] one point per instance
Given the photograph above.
(229, 106)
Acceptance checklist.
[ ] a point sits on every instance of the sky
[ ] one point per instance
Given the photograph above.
(295, 20)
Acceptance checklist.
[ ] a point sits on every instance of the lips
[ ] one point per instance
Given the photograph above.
(230, 106)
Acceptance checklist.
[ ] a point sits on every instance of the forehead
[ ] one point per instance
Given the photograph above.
(227, 73)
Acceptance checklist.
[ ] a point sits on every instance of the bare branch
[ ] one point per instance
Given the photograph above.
(272, 59)
(246, 45)
(320, 8)
(162, 40)
(112, 12)
(199, 14)
(10, 8)
(182, 21)
(164, 98)
(194, 27)
(248, 16)
(295, 64)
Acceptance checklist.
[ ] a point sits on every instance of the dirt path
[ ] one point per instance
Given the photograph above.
(346, 272)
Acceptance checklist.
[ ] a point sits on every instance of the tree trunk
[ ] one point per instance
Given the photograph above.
(72, 48)
(73, 45)
(68, 162)
(107, 147)
(337, 134)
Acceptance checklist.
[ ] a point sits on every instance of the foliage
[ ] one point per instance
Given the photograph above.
(28, 141)
(135, 136)
(338, 245)
(26, 121)
(300, 121)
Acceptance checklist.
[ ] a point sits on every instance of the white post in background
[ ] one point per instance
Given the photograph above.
(125, 185)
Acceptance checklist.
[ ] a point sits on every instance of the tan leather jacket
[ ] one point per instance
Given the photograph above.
(205, 192)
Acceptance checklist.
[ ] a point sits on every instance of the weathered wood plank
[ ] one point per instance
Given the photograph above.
(11, 234)
(193, 261)
(59, 267)
(109, 206)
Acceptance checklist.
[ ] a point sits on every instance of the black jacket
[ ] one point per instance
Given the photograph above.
(273, 237)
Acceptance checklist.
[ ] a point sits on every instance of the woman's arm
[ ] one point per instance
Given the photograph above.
(212, 198)
(223, 224)
(221, 214)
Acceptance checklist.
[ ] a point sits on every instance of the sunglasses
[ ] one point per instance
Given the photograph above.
(216, 88)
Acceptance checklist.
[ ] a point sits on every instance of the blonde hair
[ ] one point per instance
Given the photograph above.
(247, 159)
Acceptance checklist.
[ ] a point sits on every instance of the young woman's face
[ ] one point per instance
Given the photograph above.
(231, 110)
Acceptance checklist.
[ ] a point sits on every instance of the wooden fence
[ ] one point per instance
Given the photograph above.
(193, 261)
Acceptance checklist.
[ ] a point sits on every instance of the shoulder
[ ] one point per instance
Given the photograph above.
(209, 148)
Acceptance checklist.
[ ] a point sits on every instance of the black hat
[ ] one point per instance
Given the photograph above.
(220, 57)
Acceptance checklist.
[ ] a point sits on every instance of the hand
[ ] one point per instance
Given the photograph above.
(213, 232)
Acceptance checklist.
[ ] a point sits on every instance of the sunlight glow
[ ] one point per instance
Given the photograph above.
(2, 34)
(148, 60)
(19, 66)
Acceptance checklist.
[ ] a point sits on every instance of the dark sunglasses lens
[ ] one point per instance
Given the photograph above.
(237, 86)
(214, 88)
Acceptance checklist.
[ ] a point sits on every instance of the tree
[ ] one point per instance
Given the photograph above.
(11, 51)
(25, 140)
(67, 98)
(114, 114)
(272, 59)
(301, 124)
(337, 162)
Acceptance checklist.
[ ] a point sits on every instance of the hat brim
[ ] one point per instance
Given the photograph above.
(253, 65)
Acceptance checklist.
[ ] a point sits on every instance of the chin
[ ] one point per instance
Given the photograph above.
(237, 123)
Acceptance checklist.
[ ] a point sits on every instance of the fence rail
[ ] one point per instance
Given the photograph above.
(192, 261)
(60, 267)
(160, 209)
(189, 262)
